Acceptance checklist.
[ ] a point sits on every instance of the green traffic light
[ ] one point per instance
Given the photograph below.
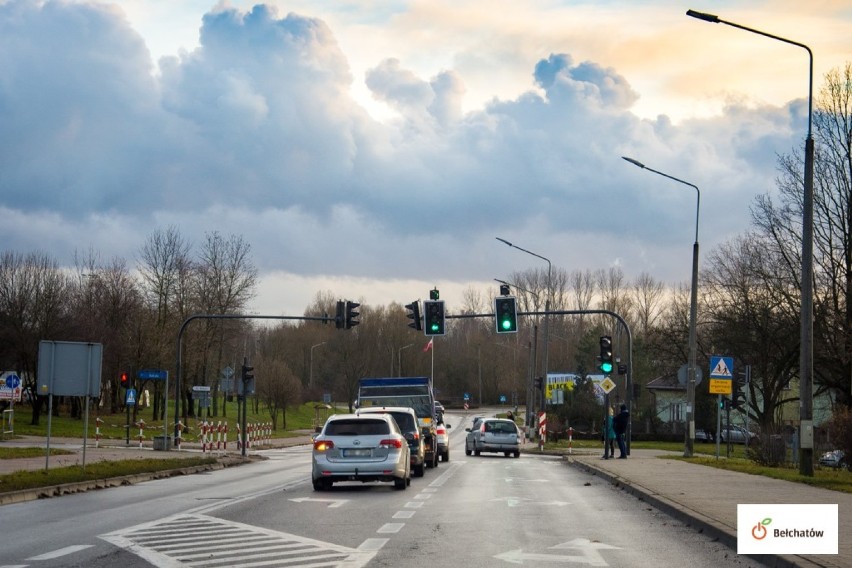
(506, 324)
(606, 367)
(435, 327)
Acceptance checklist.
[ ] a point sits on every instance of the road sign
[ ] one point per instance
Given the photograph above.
(721, 367)
(721, 375)
(130, 398)
(607, 385)
(152, 374)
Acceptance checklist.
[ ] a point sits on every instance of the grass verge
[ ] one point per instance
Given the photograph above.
(20, 480)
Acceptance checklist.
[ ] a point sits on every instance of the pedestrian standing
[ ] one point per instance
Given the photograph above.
(609, 435)
(619, 424)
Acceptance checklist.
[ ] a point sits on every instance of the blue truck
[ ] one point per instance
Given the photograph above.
(411, 392)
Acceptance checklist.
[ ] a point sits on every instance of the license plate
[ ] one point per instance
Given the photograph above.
(357, 453)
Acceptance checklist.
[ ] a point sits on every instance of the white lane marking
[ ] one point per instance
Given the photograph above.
(414, 504)
(403, 514)
(423, 496)
(333, 503)
(61, 552)
(390, 528)
(444, 477)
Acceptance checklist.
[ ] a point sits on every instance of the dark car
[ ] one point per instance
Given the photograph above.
(406, 419)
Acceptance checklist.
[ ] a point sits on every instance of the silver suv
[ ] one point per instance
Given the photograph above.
(360, 448)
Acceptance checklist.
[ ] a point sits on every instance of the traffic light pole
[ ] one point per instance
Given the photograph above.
(187, 321)
(629, 380)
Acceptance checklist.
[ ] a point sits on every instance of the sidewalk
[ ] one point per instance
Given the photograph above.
(707, 497)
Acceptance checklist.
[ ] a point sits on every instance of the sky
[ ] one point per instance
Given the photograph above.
(375, 149)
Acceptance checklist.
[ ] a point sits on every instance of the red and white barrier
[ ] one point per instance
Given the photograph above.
(141, 426)
(98, 423)
(570, 439)
(179, 431)
(542, 429)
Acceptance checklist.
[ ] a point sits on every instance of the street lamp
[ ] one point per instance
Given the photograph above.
(693, 311)
(311, 376)
(546, 305)
(399, 358)
(806, 352)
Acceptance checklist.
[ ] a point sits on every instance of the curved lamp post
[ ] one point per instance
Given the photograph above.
(693, 310)
(546, 306)
(806, 353)
(311, 377)
(399, 358)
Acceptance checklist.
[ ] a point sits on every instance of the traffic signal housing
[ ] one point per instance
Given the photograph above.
(537, 383)
(606, 354)
(435, 320)
(125, 380)
(340, 315)
(247, 373)
(351, 314)
(414, 314)
(506, 313)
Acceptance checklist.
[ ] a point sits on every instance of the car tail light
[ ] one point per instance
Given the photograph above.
(323, 445)
(482, 428)
(391, 443)
(441, 430)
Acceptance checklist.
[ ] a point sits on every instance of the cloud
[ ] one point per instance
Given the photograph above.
(255, 132)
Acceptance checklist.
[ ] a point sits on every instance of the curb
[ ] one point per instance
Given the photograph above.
(25, 495)
(690, 517)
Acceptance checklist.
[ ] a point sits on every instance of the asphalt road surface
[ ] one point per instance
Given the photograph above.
(469, 512)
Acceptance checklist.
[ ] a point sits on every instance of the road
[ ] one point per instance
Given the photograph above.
(471, 511)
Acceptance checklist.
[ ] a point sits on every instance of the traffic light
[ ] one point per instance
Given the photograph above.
(606, 354)
(340, 315)
(434, 294)
(537, 383)
(434, 315)
(506, 312)
(738, 392)
(125, 380)
(351, 314)
(414, 314)
(725, 403)
(247, 373)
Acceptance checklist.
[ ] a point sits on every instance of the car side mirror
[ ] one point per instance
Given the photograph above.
(467, 429)
(409, 436)
(448, 425)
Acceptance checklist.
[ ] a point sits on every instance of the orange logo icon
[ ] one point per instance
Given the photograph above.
(759, 531)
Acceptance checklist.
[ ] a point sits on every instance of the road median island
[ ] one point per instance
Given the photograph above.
(57, 490)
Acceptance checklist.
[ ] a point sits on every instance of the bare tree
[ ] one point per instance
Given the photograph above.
(781, 225)
(34, 303)
(647, 298)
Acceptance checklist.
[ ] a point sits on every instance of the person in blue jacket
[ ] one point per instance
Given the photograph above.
(608, 436)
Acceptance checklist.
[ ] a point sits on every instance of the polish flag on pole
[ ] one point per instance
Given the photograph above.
(428, 346)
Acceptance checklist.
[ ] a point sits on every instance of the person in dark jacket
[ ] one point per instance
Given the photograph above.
(619, 424)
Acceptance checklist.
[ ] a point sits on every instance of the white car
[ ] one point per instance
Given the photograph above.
(365, 448)
(443, 441)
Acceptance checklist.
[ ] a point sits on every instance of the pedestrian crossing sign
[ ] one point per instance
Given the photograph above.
(721, 367)
(130, 399)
